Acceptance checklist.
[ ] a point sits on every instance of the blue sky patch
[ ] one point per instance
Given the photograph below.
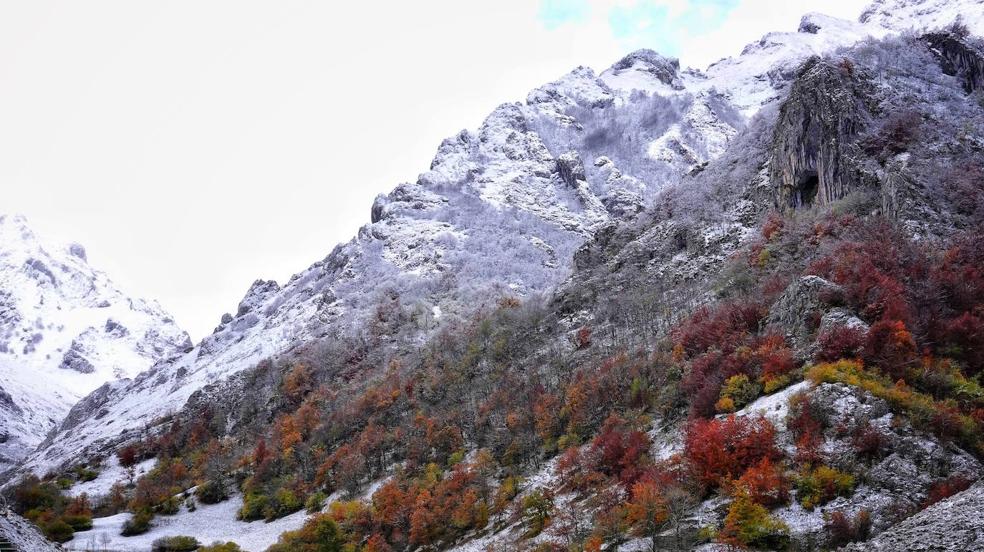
(554, 13)
(645, 23)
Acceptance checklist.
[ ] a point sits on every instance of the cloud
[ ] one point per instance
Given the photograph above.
(699, 32)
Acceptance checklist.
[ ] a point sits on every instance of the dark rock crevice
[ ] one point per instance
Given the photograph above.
(814, 139)
(959, 57)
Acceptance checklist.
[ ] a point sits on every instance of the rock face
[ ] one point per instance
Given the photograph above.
(827, 108)
(960, 56)
(65, 329)
(895, 482)
(801, 307)
(952, 524)
(23, 535)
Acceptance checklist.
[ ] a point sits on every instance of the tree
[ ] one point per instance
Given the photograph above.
(749, 524)
(647, 510)
(718, 449)
(766, 483)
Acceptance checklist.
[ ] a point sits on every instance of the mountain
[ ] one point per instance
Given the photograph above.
(551, 326)
(65, 329)
(501, 210)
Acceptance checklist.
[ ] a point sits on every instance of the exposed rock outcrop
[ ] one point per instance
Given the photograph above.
(959, 56)
(570, 168)
(23, 535)
(826, 110)
(75, 359)
(952, 524)
(801, 307)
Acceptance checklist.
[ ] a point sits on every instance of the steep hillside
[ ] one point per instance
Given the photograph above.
(65, 329)
(655, 307)
(500, 211)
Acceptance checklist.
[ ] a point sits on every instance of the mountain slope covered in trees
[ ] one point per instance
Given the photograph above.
(656, 307)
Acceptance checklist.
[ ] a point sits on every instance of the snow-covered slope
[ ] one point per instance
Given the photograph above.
(500, 211)
(65, 329)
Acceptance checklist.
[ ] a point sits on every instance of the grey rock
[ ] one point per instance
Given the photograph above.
(570, 168)
(666, 69)
(952, 524)
(23, 535)
(801, 305)
(959, 56)
(258, 293)
(75, 359)
(77, 250)
(827, 108)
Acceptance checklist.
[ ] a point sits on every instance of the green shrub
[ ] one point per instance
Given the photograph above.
(221, 547)
(315, 502)
(85, 474)
(253, 507)
(78, 522)
(58, 531)
(737, 392)
(748, 523)
(821, 485)
(537, 508)
(319, 533)
(284, 502)
(212, 491)
(175, 544)
(138, 524)
(169, 507)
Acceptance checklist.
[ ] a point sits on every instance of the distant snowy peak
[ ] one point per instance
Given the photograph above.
(921, 15)
(648, 71)
(65, 329)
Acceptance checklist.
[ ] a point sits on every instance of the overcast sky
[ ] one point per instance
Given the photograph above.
(195, 146)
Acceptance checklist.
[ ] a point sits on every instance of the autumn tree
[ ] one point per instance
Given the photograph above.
(647, 510)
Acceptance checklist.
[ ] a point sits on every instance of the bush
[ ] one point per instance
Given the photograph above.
(946, 488)
(749, 524)
(138, 524)
(844, 530)
(717, 449)
(737, 392)
(821, 485)
(766, 483)
(221, 547)
(315, 502)
(537, 508)
(79, 522)
(175, 544)
(840, 342)
(212, 491)
(58, 531)
(284, 502)
(168, 507)
(253, 507)
(320, 533)
(85, 474)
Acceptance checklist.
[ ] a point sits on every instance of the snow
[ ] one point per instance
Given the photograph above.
(774, 407)
(109, 475)
(52, 302)
(208, 523)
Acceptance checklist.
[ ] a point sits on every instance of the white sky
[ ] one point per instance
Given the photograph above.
(194, 146)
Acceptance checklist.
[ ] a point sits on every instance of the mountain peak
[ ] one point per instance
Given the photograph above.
(65, 329)
(646, 65)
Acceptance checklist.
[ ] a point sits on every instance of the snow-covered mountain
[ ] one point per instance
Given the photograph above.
(65, 329)
(500, 211)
